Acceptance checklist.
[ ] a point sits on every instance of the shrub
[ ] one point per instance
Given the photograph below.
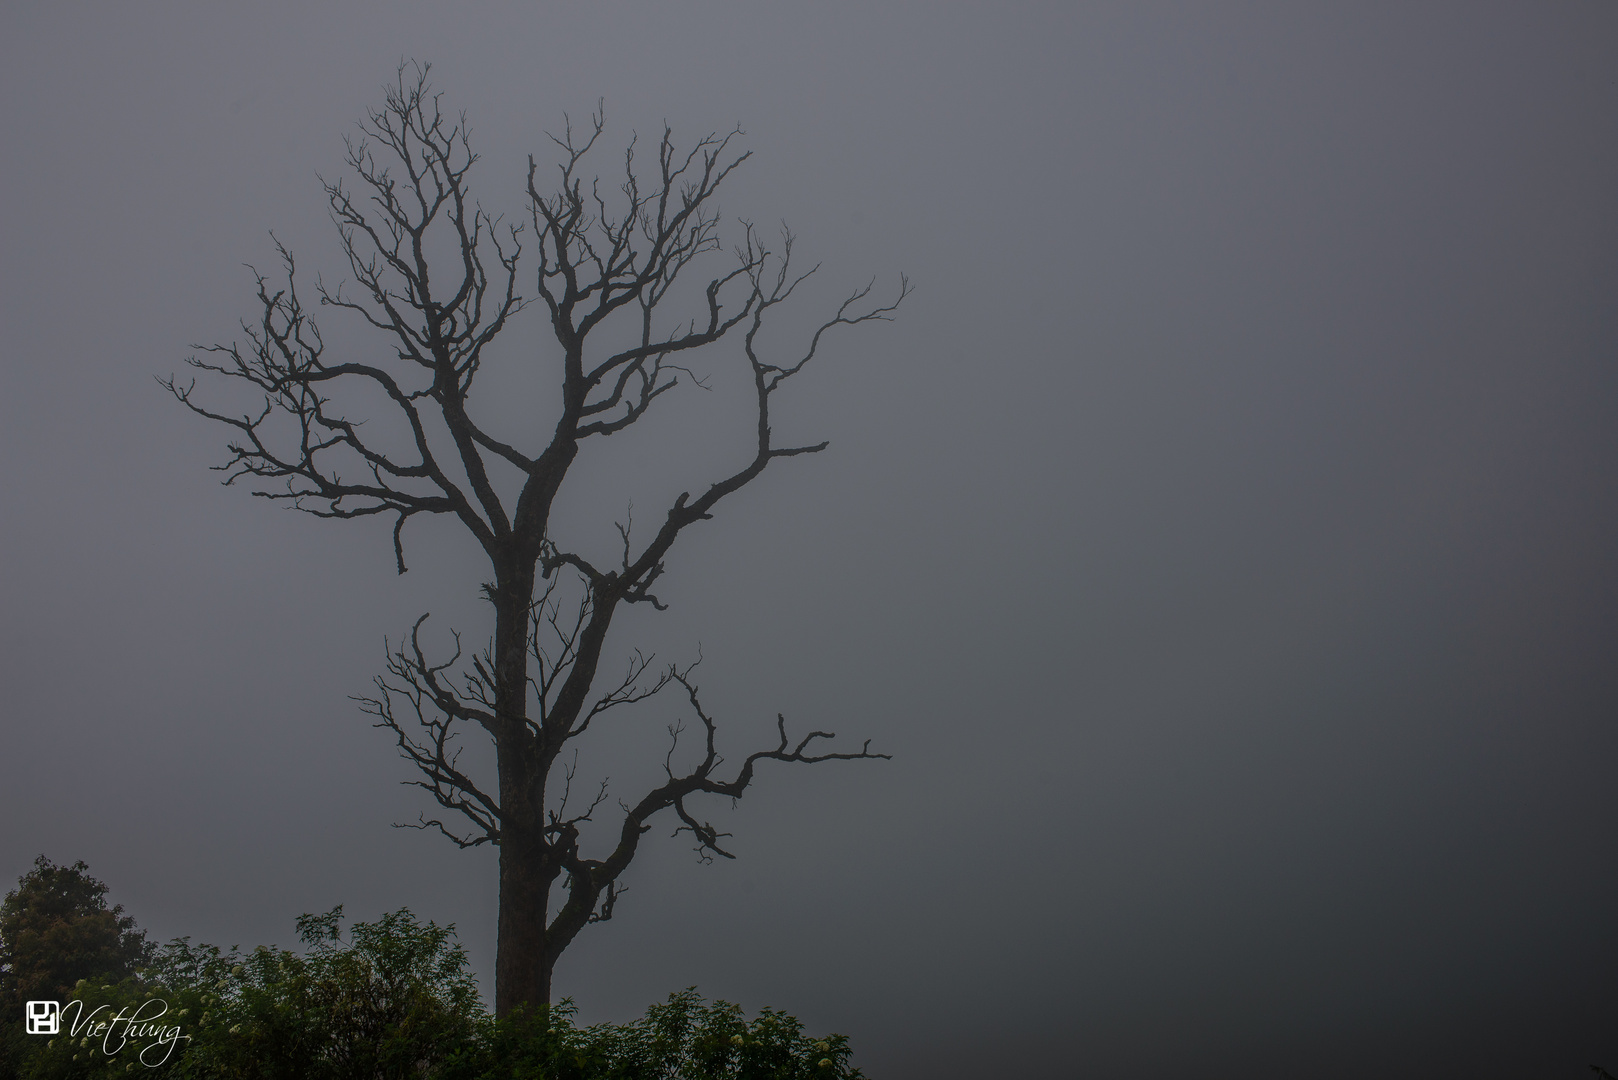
(681, 1039)
(394, 1002)
(390, 1005)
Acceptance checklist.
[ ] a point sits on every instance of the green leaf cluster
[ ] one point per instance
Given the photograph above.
(56, 928)
(394, 1001)
(684, 1038)
(56, 931)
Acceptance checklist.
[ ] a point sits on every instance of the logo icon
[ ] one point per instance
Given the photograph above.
(43, 1017)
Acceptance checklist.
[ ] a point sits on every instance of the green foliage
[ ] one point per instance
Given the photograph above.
(113, 1030)
(393, 1002)
(57, 931)
(56, 928)
(682, 1039)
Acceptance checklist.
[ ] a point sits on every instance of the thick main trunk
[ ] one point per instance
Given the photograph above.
(522, 962)
(525, 954)
(522, 972)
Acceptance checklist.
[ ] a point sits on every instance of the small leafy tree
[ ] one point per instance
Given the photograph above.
(56, 928)
(56, 931)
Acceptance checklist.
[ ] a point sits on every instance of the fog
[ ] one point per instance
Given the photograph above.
(1221, 538)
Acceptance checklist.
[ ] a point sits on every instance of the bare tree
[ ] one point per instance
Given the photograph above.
(438, 278)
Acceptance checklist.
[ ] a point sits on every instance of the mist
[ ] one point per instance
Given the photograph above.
(1220, 539)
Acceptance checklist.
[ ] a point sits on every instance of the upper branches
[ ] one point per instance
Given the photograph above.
(412, 200)
(772, 282)
(299, 440)
(436, 275)
(384, 227)
(596, 258)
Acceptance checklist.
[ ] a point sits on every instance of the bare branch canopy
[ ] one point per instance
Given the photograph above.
(437, 278)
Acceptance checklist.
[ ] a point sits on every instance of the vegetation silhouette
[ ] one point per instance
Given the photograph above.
(390, 1000)
(436, 277)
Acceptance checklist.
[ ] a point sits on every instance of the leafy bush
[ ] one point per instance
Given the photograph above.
(111, 1050)
(395, 1002)
(682, 1039)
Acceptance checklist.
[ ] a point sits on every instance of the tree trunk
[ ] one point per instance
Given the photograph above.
(522, 961)
(659, 232)
(522, 964)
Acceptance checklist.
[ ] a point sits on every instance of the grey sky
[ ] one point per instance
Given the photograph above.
(1221, 540)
